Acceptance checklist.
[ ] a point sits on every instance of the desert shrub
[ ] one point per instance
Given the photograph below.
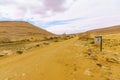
(92, 42)
(19, 52)
(27, 40)
(49, 38)
(46, 38)
(46, 43)
(32, 38)
(56, 40)
(37, 45)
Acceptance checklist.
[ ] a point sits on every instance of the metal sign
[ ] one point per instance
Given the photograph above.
(98, 40)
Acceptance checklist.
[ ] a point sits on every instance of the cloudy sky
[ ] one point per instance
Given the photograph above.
(63, 16)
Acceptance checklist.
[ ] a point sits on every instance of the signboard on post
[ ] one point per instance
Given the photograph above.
(98, 40)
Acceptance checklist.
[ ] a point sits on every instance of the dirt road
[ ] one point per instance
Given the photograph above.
(58, 61)
(38, 64)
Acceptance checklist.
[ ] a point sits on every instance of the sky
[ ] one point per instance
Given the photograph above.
(63, 16)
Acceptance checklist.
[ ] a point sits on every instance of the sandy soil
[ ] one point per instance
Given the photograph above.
(59, 61)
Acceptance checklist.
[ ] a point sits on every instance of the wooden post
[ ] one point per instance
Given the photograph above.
(101, 43)
(98, 40)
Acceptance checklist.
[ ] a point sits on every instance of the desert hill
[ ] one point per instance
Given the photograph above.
(19, 29)
(108, 30)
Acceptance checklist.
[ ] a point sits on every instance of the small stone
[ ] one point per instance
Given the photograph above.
(89, 52)
(23, 74)
(88, 72)
(99, 64)
(94, 57)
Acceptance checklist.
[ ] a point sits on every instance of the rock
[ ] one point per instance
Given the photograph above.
(5, 52)
(94, 57)
(23, 74)
(89, 52)
(88, 72)
(99, 64)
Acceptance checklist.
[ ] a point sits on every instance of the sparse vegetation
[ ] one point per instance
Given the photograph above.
(58, 38)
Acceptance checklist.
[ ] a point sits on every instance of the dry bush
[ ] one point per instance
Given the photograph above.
(46, 43)
(19, 52)
(37, 45)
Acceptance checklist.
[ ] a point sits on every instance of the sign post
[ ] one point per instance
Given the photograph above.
(98, 40)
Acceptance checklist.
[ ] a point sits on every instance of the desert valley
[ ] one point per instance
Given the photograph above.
(31, 53)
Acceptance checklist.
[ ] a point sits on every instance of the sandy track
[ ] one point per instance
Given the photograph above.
(38, 64)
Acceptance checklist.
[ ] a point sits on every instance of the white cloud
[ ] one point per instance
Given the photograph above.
(89, 8)
(97, 13)
(33, 8)
(84, 25)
